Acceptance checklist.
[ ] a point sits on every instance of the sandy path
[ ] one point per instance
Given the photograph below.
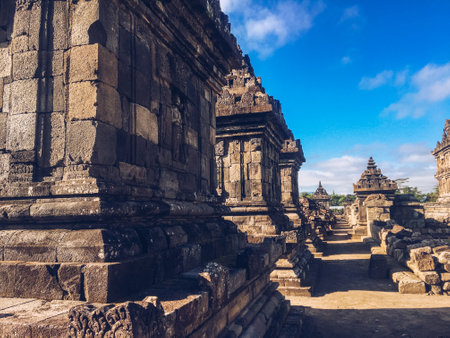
(348, 303)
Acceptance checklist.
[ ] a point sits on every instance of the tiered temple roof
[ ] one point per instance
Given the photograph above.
(445, 139)
(321, 193)
(373, 181)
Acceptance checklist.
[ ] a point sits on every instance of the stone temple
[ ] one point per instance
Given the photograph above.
(148, 183)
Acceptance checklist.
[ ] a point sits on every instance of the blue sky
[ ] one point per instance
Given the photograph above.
(355, 79)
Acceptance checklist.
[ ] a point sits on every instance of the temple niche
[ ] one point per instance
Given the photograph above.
(440, 210)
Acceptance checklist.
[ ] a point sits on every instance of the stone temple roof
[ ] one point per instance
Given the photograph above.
(373, 181)
(321, 193)
(445, 138)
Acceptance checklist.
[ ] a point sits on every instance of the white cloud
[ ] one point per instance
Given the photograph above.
(266, 28)
(346, 60)
(428, 92)
(379, 80)
(350, 13)
(412, 160)
(229, 6)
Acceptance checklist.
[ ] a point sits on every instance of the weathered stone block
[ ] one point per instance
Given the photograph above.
(5, 62)
(84, 15)
(408, 283)
(98, 245)
(215, 280)
(33, 245)
(445, 276)
(93, 62)
(21, 132)
(88, 100)
(37, 280)
(422, 258)
(429, 277)
(60, 33)
(7, 278)
(71, 281)
(25, 65)
(19, 44)
(24, 96)
(446, 286)
(146, 123)
(21, 23)
(95, 285)
(82, 145)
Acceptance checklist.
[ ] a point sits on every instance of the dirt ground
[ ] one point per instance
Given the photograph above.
(347, 303)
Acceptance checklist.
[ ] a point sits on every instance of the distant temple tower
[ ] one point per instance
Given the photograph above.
(372, 182)
(321, 196)
(441, 210)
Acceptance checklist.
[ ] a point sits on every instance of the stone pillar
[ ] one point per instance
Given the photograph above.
(250, 135)
(291, 159)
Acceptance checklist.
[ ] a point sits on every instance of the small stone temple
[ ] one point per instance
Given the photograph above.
(257, 167)
(109, 214)
(321, 197)
(374, 197)
(251, 131)
(441, 209)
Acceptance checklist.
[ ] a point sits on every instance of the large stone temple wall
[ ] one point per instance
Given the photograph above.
(95, 94)
(108, 174)
(107, 112)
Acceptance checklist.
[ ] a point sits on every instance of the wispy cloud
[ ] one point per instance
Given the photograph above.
(428, 91)
(381, 79)
(411, 160)
(350, 13)
(346, 60)
(266, 28)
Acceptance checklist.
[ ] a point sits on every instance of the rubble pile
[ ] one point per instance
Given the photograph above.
(427, 257)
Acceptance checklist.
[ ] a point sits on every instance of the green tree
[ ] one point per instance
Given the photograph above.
(432, 196)
(406, 190)
(307, 194)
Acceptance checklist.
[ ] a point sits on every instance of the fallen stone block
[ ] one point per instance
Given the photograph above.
(422, 259)
(408, 282)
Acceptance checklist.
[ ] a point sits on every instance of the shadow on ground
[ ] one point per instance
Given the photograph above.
(414, 323)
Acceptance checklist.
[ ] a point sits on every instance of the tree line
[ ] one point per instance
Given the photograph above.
(339, 200)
